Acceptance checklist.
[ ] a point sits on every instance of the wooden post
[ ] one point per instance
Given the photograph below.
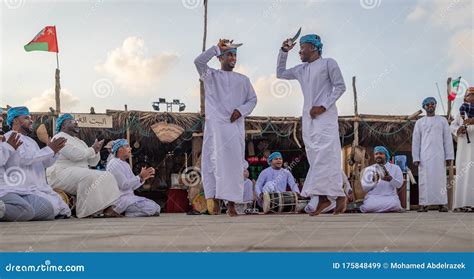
(127, 123)
(57, 91)
(201, 84)
(358, 192)
(356, 114)
(448, 89)
(451, 179)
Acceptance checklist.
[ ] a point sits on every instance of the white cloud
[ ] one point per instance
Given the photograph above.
(460, 53)
(453, 18)
(130, 69)
(446, 14)
(277, 97)
(418, 13)
(47, 100)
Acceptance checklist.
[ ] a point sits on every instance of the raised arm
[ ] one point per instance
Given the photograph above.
(6, 151)
(75, 153)
(282, 71)
(337, 82)
(397, 177)
(124, 183)
(204, 58)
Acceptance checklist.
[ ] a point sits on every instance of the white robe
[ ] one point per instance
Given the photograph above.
(382, 196)
(33, 161)
(432, 145)
(464, 188)
(95, 190)
(223, 147)
(10, 179)
(313, 203)
(128, 203)
(322, 84)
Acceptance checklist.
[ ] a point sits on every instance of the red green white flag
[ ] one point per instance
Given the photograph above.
(46, 40)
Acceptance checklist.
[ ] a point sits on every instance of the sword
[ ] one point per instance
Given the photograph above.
(292, 41)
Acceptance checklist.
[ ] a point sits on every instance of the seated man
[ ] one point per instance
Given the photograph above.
(381, 181)
(129, 204)
(30, 161)
(275, 178)
(96, 191)
(313, 203)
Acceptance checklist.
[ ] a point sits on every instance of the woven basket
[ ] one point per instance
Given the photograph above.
(167, 132)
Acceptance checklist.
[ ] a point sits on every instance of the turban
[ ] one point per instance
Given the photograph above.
(383, 150)
(233, 50)
(61, 120)
(246, 164)
(15, 112)
(427, 101)
(272, 156)
(117, 144)
(314, 40)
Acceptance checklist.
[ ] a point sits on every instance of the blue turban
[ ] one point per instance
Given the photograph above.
(61, 120)
(314, 40)
(428, 101)
(15, 112)
(272, 156)
(233, 50)
(117, 144)
(383, 150)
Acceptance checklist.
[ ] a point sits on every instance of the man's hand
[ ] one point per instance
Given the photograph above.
(97, 146)
(146, 173)
(287, 45)
(316, 110)
(235, 115)
(468, 121)
(416, 163)
(461, 131)
(222, 44)
(57, 144)
(14, 140)
(387, 178)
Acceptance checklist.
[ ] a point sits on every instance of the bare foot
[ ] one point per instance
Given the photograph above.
(322, 204)
(110, 212)
(231, 209)
(217, 207)
(340, 205)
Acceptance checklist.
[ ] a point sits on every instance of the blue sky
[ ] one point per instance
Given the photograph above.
(133, 52)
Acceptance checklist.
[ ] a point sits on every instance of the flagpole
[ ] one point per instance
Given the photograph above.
(57, 89)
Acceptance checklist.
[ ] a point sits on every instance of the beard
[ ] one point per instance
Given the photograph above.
(380, 160)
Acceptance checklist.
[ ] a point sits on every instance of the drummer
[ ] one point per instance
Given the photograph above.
(275, 178)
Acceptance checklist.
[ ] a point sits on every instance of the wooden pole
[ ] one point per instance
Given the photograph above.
(448, 89)
(57, 91)
(451, 180)
(201, 84)
(356, 114)
(358, 192)
(127, 123)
